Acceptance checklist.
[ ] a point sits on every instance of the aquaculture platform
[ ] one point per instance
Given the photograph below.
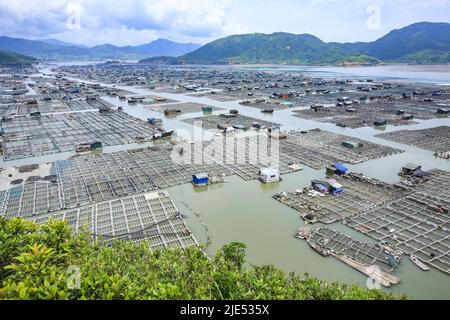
(361, 194)
(31, 137)
(317, 149)
(374, 260)
(151, 216)
(418, 223)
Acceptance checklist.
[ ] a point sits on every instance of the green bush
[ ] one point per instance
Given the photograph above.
(36, 262)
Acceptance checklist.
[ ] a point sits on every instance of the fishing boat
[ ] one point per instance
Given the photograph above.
(319, 249)
(418, 263)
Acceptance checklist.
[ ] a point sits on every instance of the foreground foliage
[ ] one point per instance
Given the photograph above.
(9, 58)
(40, 262)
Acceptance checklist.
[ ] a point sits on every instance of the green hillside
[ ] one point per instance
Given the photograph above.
(418, 43)
(57, 50)
(277, 48)
(36, 262)
(407, 43)
(283, 48)
(427, 57)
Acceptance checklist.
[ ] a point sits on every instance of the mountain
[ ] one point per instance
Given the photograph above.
(42, 50)
(400, 44)
(418, 43)
(277, 48)
(262, 48)
(52, 49)
(161, 47)
(8, 58)
(427, 57)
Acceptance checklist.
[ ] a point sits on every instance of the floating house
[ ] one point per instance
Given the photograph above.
(442, 111)
(148, 101)
(200, 180)
(324, 186)
(229, 130)
(240, 127)
(85, 147)
(320, 185)
(258, 126)
(318, 107)
(407, 117)
(287, 104)
(171, 112)
(104, 109)
(335, 187)
(227, 115)
(338, 169)
(415, 170)
(269, 175)
(96, 145)
(380, 123)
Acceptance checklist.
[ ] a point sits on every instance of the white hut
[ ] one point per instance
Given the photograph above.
(269, 175)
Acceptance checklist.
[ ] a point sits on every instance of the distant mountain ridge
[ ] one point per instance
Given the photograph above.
(51, 49)
(62, 43)
(160, 47)
(423, 42)
(8, 58)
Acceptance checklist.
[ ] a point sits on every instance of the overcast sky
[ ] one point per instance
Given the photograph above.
(133, 22)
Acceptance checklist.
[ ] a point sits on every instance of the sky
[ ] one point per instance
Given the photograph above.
(135, 22)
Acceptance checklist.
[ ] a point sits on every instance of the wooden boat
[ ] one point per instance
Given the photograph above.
(419, 263)
(320, 250)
